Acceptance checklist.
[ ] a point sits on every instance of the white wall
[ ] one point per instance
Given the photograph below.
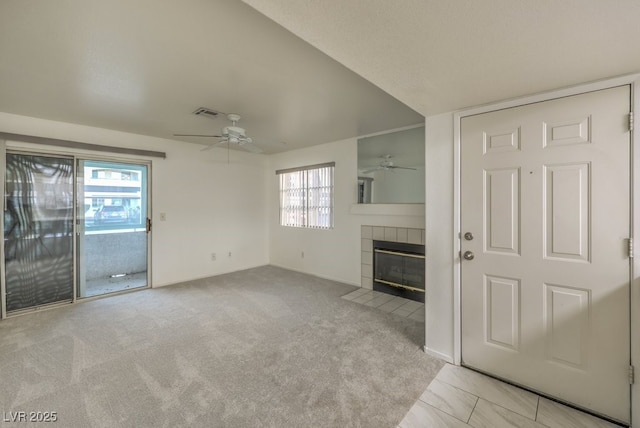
(439, 230)
(398, 186)
(211, 206)
(333, 254)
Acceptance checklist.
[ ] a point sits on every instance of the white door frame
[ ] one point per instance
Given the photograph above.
(634, 81)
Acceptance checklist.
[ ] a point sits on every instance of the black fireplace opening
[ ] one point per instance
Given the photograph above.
(398, 269)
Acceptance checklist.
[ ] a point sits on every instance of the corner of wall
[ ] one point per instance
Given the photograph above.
(439, 225)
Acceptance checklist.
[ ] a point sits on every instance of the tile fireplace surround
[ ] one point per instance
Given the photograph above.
(382, 233)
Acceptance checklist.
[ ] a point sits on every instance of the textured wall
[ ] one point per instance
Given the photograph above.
(114, 253)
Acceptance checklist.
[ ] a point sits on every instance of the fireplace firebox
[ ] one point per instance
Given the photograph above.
(398, 269)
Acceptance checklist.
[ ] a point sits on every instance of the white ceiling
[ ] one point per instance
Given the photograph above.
(444, 55)
(143, 66)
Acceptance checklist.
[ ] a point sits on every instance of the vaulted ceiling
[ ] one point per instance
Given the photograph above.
(144, 66)
(300, 73)
(443, 55)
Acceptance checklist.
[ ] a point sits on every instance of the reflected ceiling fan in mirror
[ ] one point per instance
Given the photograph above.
(386, 165)
(230, 135)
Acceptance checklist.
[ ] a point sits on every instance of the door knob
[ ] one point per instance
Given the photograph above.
(468, 255)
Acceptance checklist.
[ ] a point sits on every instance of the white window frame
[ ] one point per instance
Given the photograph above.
(306, 196)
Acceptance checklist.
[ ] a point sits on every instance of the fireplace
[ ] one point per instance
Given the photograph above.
(398, 269)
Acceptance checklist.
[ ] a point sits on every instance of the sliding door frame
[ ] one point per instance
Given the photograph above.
(30, 149)
(147, 215)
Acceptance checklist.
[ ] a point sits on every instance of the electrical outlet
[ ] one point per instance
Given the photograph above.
(213, 257)
(163, 216)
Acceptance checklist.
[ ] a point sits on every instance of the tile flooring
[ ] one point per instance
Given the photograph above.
(388, 303)
(459, 397)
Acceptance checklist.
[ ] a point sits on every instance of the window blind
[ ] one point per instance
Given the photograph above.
(306, 196)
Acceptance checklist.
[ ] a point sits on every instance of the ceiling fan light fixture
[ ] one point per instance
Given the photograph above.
(230, 134)
(233, 130)
(233, 117)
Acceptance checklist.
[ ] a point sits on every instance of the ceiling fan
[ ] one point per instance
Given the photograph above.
(386, 165)
(230, 135)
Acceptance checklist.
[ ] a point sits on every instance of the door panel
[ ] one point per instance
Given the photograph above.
(566, 201)
(567, 312)
(112, 236)
(38, 231)
(545, 193)
(502, 317)
(502, 210)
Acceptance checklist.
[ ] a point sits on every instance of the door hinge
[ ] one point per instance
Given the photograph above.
(148, 225)
(631, 121)
(630, 247)
(631, 375)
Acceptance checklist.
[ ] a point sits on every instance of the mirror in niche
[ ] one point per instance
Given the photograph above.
(391, 168)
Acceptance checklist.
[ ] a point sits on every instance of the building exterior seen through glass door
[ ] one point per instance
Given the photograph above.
(112, 229)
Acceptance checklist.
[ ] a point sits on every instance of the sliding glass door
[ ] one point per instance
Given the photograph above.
(49, 261)
(112, 227)
(38, 231)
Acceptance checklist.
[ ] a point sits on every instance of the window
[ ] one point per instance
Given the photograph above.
(306, 196)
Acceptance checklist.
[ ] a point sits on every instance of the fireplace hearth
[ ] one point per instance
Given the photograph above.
(398, 269)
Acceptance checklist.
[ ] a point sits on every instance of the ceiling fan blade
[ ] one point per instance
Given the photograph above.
(197, 135)
(212, 145)
(251, 147)
(367, 171)
(401, 167)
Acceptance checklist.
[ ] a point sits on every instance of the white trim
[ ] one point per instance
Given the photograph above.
(635, 265)
(391, 131)
(209, 275)
(546, 96)
(634, 81)
(343, 281)
(457, 216)
(3, 285)
(438, 355)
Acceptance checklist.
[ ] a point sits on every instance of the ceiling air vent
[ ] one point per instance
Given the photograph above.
(206, 112)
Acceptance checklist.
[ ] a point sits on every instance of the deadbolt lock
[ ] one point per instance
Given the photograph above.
(468, 236)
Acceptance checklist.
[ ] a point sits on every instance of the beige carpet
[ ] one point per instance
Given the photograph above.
(262, 347)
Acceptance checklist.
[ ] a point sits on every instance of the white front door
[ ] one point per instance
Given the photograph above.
(545, 203)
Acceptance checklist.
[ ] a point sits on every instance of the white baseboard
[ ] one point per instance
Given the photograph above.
(438, 355)
(343, 281)
(209, 275)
